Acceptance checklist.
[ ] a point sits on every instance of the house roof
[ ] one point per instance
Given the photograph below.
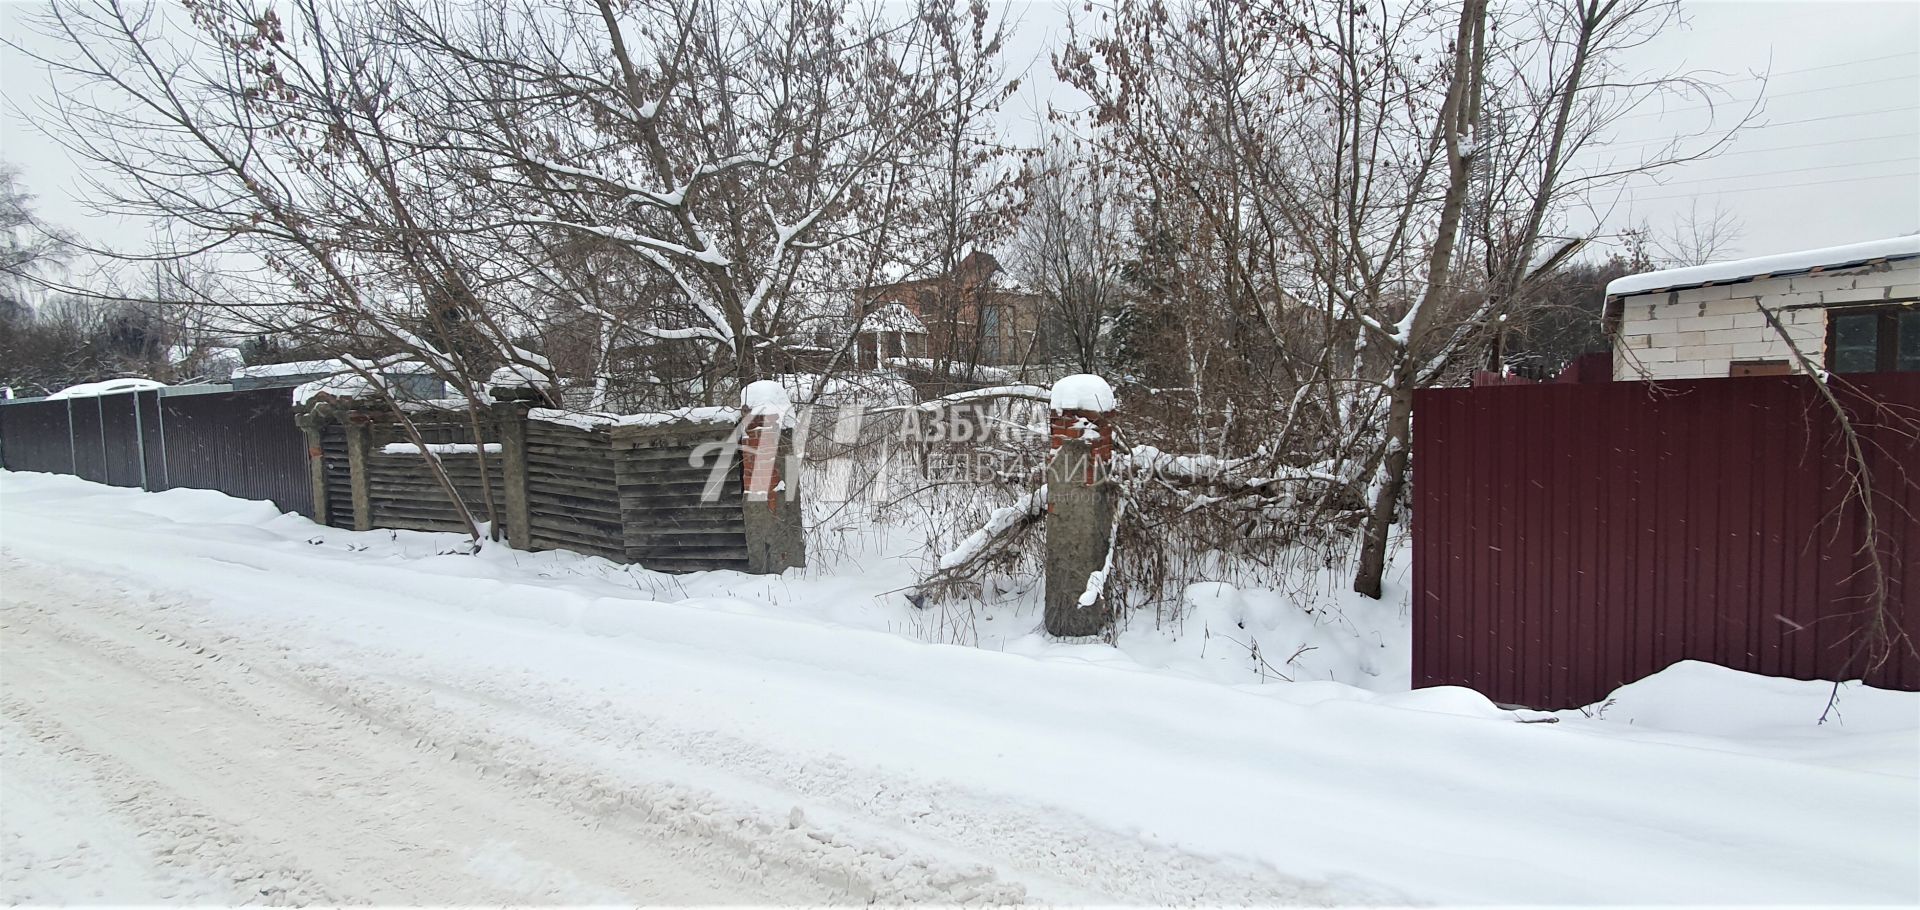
(977, 269)
(894, 317)
(294, 368)
(1780, 265)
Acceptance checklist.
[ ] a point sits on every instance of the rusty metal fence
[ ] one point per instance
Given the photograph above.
(241, 443)
(1569, 539)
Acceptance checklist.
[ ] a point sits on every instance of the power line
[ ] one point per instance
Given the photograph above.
(1770, 76)
(1757, 127)
(1792, 170)
(1811, 145)
(1829, 66)
(1775, 186)
(1889, 110)
(1907, 77)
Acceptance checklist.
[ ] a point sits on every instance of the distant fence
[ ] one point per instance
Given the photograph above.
(240, 443)
(1572, 538)
(667, 492)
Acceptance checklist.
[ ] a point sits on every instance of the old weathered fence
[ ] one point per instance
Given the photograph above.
(1569, 539)
(667, 491)
(240, 443)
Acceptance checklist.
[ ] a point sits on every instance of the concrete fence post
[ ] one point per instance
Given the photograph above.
(771, 502)
(1080, 503)
(510, 420)
(359, 430)
(310, 427)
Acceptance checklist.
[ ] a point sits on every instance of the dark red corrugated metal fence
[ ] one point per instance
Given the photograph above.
(1569, 539)
(242, 443)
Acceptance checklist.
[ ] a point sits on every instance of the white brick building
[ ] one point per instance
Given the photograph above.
(1848, 309)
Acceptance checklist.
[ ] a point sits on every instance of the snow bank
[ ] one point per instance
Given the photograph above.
(108, 387)
(1697, 697)
(1319, 632)
(1707, 706)
(1717, 272)
(1076, 773)
(1081, 392)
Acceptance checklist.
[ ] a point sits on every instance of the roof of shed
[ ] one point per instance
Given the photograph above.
(1833, 257)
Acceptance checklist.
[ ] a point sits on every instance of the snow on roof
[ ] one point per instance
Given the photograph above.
(589, 420)
(518, 376)
(322, 368)
(338, 385)
(108, 387)
(894, 317)
(1767, 266)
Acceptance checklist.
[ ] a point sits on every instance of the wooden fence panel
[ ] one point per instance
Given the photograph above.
(572, 501)
(677, 510)
(333, 452)
(667, 495)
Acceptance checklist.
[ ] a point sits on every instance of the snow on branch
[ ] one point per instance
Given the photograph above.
(990, 393)
(1097, 579)
(706, 253)
(667, 199)
(1002, 531)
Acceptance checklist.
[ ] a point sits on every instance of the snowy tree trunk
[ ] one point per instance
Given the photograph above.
(1457, 122)
(1381, 512)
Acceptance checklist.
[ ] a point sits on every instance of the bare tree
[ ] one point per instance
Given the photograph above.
(1696, 237)
(1070, 250)
(695, 178)
(1347, 199)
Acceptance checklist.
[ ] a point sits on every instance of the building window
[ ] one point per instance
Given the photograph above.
(1874, 340)
(990, 321)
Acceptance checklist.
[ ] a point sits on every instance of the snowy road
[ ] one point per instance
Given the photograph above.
(207, 701)
(261, 785)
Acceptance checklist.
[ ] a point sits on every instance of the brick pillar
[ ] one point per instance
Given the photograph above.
(1080, 503)
(771, 504)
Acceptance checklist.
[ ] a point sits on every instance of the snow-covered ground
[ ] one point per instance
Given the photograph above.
(206, 701)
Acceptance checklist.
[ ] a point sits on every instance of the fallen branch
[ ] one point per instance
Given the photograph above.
(1004, 530)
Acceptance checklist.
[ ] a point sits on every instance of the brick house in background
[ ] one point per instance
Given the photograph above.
(890, 330)
(974, 315)
(1849, 309)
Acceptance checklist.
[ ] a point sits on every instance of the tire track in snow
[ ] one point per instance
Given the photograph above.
(868, 836)
(230, 770)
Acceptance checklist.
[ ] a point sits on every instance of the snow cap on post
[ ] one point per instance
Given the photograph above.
(766, 405)
(1082, 410)
(765, 398)
(1082, 392)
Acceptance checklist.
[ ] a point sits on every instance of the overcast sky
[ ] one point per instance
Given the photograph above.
(1834, 158)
